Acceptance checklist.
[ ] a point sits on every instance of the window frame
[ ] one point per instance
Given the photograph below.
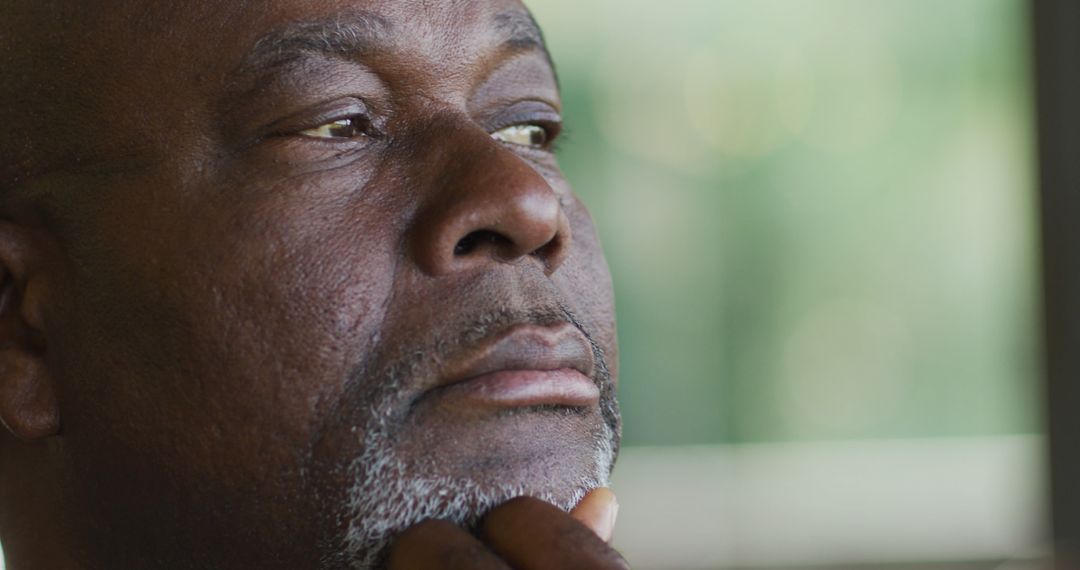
(1057, 83)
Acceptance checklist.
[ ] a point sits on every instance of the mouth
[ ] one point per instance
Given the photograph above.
(524, 366)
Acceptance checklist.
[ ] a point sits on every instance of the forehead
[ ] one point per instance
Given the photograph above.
(436, 30)
(127, 63)
(438, 35)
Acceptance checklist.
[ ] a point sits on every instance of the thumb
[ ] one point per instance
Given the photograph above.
(598, 511)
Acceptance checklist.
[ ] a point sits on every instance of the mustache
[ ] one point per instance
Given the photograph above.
(398, 372)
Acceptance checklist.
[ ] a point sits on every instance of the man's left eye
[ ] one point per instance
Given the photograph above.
(349, 128)
(525, 135)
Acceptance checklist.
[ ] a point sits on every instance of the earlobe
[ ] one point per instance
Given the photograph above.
(28, 407)
(28, 404)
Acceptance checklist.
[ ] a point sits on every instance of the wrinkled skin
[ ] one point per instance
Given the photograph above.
(208, 303)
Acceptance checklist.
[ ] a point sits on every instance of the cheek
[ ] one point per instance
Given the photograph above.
(587, 281)
(199, 346)
(294, 319)
(246, 324)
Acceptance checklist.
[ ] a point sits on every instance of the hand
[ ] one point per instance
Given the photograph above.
(521, 534)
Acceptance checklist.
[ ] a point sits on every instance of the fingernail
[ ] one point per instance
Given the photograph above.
(607, 529)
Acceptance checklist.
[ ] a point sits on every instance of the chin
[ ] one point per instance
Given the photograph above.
(467, 470)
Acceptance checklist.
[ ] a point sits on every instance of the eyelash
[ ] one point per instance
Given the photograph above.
(363, 127)
(561, 138)
(551, 126)
(360, 123)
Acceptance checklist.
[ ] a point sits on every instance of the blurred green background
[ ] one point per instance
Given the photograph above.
(820, 219)
(819, 214)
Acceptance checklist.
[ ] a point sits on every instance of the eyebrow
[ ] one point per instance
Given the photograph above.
(359, 33)
(519, 30)
(351, 33)
(521, 33)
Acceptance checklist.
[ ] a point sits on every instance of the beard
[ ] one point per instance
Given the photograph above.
(391, 491)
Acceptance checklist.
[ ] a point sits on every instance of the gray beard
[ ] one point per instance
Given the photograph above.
(388, 497)
(390, 493)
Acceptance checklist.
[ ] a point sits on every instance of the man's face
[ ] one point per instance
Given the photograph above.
(306, 297)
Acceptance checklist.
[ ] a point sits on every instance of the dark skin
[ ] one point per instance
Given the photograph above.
(215, 257)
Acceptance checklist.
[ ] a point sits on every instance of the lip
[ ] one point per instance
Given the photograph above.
(526, 365)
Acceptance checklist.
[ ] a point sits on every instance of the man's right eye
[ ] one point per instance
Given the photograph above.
(347, 128)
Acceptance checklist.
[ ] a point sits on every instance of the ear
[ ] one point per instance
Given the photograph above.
(28, 406)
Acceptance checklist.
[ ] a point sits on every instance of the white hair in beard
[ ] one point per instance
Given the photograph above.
(388, 496)
(390, 493)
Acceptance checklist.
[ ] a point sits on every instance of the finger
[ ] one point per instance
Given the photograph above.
(436, 544)
(598, 511)
(533, 535)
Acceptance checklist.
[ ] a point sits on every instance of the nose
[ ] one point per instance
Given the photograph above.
(486, 205)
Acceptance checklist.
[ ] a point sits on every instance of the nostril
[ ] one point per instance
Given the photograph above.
(549, 249)
(474, 240)
(465, 245)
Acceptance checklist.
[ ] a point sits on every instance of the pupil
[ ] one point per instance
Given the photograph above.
(343, 128)
(537, 136)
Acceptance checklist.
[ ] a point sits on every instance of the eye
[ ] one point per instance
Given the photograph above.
(534, 136)
(347, 128)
